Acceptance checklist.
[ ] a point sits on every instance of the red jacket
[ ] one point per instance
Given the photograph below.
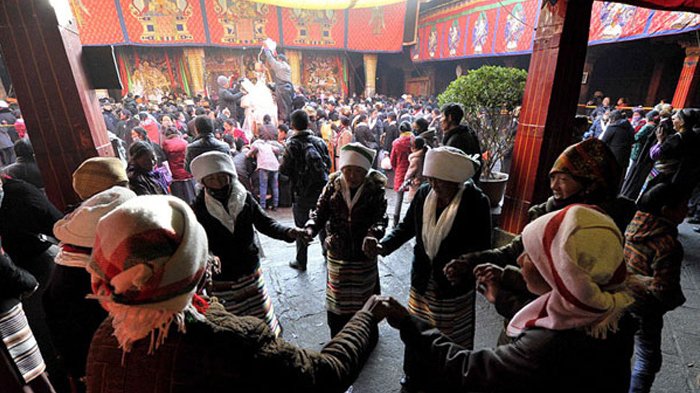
(175, 148)
(400, 150)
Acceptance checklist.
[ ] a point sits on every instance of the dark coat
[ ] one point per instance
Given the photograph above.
(228, 353)
(72, 319)
(683, 147)
(238, 252)
(305, 192)
(365, 136)
(7, 121)
(345, 232)
(25, 213)
(538, 360)
(641, 167)
(202, 144)
(471, 231)
(145, 183)
(391, 132)
(231, 99)
(465, 139)
(25, 169)
(15, 282)
(619, 137)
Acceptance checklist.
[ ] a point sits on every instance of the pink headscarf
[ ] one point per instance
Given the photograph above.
(579, 253)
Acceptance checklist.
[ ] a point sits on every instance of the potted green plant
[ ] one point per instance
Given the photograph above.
(491, 98)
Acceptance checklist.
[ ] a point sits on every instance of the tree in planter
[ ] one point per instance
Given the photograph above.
(490, 96)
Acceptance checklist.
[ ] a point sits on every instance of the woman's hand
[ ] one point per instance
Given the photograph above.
(371, 247)
(457, 269)
(488, 280)
(386, 307)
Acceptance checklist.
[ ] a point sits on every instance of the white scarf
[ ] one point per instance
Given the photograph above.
(345, 190)
(236, 201)
(436, 230)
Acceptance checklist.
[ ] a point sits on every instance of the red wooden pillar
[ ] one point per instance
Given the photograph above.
(588, 67)
(655, 80)
(62, 113)
(549, 104)
(688, 81)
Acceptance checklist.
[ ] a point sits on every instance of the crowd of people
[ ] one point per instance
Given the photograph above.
(153, 281)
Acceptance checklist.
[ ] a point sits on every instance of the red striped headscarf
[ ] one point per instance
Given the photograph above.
(149, 255)
(579, 252)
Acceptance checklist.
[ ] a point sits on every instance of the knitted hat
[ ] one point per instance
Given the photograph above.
(448, 163)
(78, 228)
(578, 251)
(98, 174)
(356, 154)
(592, 163)
(212, 162)
(149, 256)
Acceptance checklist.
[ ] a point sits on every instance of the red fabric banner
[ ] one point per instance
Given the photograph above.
(376, 29)
(241, 23)
(516, 24)
(164, 22)
(313, 29)
(663, 21)
(98, 25)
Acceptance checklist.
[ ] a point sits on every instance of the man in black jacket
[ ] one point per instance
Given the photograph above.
(391, 132)
(306, 161)
(460, 135)
(204, 141)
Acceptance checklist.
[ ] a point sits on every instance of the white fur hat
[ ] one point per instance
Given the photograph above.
(78, 228)
(212, 162)
(448, 163)
(355, 154)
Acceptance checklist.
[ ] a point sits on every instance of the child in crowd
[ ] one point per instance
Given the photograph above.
(653, 255)
(414, 175)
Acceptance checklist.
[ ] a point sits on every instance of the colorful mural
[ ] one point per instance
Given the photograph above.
(324, 73)
(152, 72)
(503, 27)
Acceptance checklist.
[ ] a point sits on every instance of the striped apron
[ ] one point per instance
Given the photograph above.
(248, 296)
(350, 284)
(20, 343)
(454, 317)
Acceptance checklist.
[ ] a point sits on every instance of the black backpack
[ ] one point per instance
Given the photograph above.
(314, 170)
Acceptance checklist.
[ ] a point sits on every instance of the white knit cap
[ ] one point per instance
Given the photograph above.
(355, 154)
(448, 163)
(78, 228)
(212, 162)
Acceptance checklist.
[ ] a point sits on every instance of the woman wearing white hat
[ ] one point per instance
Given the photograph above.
(230, 215)
(351, 207)
(448, 217)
